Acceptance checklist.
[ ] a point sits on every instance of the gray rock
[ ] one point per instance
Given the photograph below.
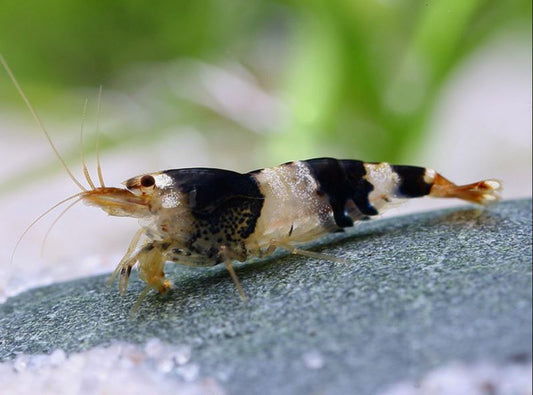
(423, 290)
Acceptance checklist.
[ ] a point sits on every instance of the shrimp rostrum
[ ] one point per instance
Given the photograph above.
(204, 217)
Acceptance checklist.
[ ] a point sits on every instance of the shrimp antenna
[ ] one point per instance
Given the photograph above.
(83, 164)
(38, 120)
(77, 195)
(56, 221)
(98, 166)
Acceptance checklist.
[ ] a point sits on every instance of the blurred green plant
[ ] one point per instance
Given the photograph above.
(366, 74)
(357, 78)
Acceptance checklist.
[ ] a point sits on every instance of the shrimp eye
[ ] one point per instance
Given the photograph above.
(147, 181)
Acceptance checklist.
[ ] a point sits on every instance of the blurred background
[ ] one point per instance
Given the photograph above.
(248, 84)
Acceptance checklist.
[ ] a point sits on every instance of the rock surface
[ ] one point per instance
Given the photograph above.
(423, 291)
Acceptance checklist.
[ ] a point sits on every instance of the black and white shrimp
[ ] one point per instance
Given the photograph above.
(203, 217)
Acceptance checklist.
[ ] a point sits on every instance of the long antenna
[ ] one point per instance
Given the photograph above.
(98, 166)
(38, 120)
(57, 220)
(83, 164)
(77, 195)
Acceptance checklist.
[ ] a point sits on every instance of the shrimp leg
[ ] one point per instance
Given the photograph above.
(226, 255)
(298, 251)
(125, 264)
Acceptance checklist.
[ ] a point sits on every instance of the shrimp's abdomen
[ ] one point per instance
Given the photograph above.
(304, 200)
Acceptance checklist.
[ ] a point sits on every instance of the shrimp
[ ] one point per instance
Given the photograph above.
(203, 217)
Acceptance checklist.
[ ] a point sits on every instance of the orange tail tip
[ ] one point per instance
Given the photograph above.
(481, 192)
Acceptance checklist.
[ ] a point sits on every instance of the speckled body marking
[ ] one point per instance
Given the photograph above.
(203, 217)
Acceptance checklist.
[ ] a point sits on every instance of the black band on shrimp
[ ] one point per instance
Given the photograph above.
(208, 188)
(413, 181)
(342, 181)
